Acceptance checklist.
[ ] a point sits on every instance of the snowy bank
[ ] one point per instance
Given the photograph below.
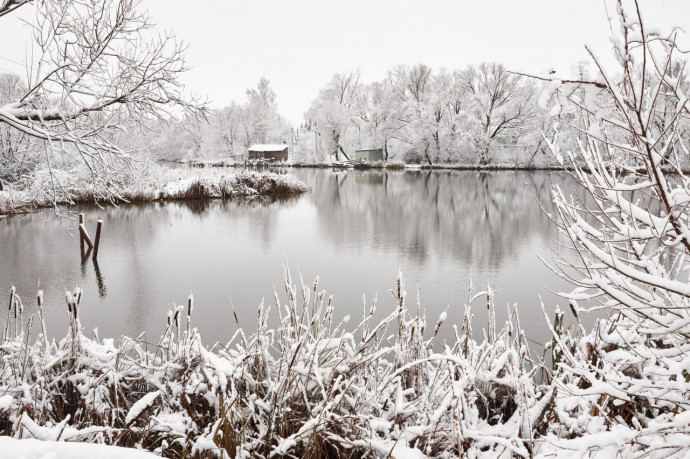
(153, 184)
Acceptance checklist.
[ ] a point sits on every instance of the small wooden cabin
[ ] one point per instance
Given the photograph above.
(370, 154)
(275, 152)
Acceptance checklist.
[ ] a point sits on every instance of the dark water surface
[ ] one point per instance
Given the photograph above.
(354, 230)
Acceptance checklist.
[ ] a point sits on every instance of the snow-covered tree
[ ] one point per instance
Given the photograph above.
(264, 124)
(97, 67)
(333, 110)
(502, 104)
(227, 123)
(16, 157)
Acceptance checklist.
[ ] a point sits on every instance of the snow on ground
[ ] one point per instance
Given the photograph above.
(11, 448)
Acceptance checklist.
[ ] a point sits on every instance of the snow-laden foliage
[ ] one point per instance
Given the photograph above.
(473, 116)
(97, 70)
(622, 390)
(225, 134)
(311, 387)
(148, 183)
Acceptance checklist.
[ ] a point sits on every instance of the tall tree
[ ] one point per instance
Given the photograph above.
(97, 67)
(501, 107)
(333, 110)
(262, 112)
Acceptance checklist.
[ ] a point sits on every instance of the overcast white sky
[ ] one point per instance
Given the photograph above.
(299, 44)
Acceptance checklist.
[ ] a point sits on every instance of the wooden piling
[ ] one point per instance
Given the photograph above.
(85, 235)
(81, 238)
(98, 238)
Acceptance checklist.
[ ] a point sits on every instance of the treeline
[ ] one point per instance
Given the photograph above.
(225, 133)
(479, 115)
(476, 115)
(483, 115)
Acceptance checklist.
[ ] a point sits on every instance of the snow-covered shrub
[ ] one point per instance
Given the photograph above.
(622, 390)
(147, 183)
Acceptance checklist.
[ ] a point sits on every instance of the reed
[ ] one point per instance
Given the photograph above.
(312, 387)
(318, 386)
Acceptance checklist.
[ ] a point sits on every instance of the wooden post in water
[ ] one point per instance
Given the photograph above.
(98, 238)
(85, 235)
(81, 238)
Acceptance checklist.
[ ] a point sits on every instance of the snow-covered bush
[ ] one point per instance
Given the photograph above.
(622, 389)
(395, 165)
(148, 183)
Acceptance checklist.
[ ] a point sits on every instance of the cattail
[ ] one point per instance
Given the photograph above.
(68, 298)
(12, 291)
(190, 307)
(442, 318)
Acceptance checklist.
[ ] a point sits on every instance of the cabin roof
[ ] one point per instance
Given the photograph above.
(267, 147)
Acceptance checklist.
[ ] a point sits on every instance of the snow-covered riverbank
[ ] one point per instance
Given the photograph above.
(151, 185)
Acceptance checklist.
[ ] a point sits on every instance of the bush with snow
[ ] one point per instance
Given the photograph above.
(147, 183)
(621, 390)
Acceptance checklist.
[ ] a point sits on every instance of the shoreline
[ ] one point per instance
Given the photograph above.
(243, 184)
(221, 163)
(399, 166)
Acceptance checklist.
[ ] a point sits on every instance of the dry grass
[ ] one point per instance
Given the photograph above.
(312, 387)
(318, 387)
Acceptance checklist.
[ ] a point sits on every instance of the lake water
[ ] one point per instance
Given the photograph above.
(354, 229)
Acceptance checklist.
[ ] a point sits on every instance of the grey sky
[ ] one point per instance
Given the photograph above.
(299, 44)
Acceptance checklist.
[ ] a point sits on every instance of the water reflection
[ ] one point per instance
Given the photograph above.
(355, 229)
(476, 217)
(86, 257)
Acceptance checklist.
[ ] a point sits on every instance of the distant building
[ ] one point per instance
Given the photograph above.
(273, 152)
(371, 154)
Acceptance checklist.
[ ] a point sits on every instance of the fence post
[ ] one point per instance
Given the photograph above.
(98, 238)
(85, 235)
(81, 237)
